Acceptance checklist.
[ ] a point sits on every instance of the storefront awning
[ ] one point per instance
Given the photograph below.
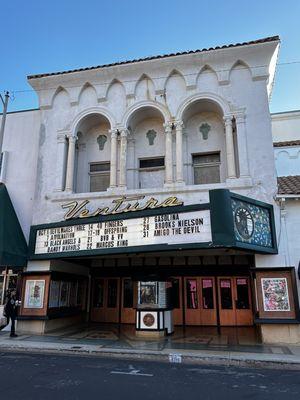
(13, 247)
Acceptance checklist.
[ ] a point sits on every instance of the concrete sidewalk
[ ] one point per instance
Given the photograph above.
(168, 350)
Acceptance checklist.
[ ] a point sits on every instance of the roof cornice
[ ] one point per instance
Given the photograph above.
(253, 42)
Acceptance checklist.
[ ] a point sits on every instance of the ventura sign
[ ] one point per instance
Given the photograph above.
(121, 205)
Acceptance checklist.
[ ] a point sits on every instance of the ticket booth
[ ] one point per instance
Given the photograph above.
(153, 312)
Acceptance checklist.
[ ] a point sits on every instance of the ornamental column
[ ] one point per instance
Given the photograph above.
(231, 171)
(179, 158)
(71, 163)
(113, 158)
(123, 158)
(60, 162)
(242, 144)
(168, 153)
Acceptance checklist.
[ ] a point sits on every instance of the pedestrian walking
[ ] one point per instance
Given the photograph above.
(10, 311)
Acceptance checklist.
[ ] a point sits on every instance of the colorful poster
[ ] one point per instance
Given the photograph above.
(54, 294)
(275, 294)
(34, 294)
(148, 293)
(207, 283)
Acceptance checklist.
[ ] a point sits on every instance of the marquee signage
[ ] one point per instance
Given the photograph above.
(163, 229)
(121, 205)
(134, 224)
(252, 223)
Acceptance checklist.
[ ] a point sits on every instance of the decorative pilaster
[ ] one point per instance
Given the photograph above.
(123, 158)
(113, 158)
(240, 120)
(231, 171)
(179, 151)
(168, 153)
(132, 176)
(60, 162)
(71, 163)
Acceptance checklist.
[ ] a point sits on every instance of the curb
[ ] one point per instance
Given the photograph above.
(228, 359)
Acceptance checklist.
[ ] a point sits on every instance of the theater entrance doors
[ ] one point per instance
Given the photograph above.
(224, 301)
(113, 300)
(196, 300)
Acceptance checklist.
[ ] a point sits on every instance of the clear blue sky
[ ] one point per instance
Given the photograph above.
(45, 36)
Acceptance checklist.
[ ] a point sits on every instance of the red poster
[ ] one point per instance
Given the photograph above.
(241, 281)
(206, 283)
(225, 284)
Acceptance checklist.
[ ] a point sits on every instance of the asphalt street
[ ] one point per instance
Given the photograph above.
(30, 376)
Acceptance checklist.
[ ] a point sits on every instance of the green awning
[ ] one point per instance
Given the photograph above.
(13, 246)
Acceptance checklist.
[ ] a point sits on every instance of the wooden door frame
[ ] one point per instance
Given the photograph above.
(134, 299)
(250, 309)
(233, 309)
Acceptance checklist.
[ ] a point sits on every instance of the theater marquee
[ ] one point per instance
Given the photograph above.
(166, 229)
(129, 226)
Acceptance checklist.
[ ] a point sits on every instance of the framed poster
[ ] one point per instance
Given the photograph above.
(275, 294)
(54, 294)
(148, 293)
(64, 294)
(34, 294)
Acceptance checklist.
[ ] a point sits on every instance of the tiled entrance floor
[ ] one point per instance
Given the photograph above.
(241, 339)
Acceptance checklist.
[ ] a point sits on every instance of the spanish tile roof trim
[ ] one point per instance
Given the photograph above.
(288, 143)
(289, 185)
(259, 41)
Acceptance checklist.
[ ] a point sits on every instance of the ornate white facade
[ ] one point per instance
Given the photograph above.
(177, 125)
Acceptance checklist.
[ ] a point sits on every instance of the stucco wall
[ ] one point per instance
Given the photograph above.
(231, 77)
(21, 141)
(221, 82)
(286, 126)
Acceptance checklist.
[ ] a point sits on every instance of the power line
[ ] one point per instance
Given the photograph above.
(152, 78)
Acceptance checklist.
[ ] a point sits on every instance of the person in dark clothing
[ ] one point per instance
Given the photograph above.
(10, 310)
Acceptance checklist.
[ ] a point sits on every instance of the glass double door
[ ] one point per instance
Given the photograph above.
(200, 301)
(217, 300)
(235, 306)
(113, 300)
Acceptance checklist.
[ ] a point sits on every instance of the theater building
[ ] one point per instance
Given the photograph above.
(153, 197)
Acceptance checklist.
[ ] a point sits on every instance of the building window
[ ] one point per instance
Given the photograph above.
(156, 163)
(206, 168)
(151, 172)
(99, 176)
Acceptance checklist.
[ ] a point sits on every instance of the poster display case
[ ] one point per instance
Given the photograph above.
(276, 294)
(34, 293)
(153, 312)
(35, 289)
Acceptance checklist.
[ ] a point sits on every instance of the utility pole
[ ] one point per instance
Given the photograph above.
(5, 104)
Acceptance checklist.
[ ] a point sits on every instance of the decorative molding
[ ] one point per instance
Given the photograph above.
(227, 119)
(179, 125)
(204, 128)
(151, 135)
(61, 136)
(224, 105)
(101, 140)
(139, 106)
(168, 126)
